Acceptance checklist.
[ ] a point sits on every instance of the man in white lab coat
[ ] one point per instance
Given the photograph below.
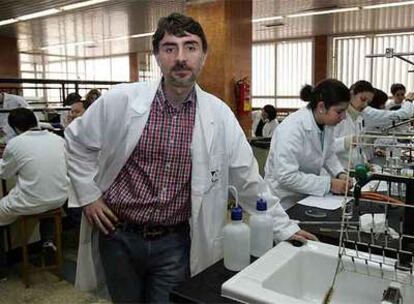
(37, 159)
(150, 164)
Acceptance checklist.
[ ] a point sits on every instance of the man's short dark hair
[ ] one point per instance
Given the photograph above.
(71, 99)
(395, 87)
(177, 24)
(22, 119)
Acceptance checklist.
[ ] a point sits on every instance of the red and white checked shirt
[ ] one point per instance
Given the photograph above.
(154, 186)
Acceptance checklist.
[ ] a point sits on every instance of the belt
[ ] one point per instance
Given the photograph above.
(154, 232)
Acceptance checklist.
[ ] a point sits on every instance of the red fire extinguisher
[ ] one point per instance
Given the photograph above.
(244, 102)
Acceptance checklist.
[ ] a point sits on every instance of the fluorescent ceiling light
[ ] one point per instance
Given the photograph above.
(91, 42)
(142, 35)
(129, 37)
(392, 4)
(8, 21)
(81, 4)
(67, 44)
(329, 11)
(267, 19)
(51, 11)
(44, 13)
(393, 34)
(117, 38)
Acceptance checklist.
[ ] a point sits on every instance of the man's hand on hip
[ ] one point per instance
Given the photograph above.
(100, 216)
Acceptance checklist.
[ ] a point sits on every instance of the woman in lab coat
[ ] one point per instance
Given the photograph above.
(264, 122)
(346, 132)
(398, 95)
(302, 146)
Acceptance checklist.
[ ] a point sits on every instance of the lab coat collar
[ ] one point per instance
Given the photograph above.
(142, 104)
(309, 122)
(204, 115)
(353, 113)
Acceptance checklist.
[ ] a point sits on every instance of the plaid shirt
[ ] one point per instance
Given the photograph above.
(154, 186)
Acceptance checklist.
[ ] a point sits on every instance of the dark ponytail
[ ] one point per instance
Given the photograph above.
(330, 91)
(306, 93)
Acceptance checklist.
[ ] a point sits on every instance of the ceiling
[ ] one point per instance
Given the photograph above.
(93, 31)
(361, 21)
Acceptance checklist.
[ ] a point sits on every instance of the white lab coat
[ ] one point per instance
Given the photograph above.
(343, 133)
(390, 104)
(256, 117)
(380, 118)
(268, 128)
(100, 142)
(369, 119)
(38, 159)
(297, 156)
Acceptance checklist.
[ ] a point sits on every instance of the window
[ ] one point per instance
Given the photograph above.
(349, 63)
(148, 67)
(114, 68)
(279, 70)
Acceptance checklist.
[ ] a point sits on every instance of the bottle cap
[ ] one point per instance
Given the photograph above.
(261, 205)
(361, 172)
(236, 214)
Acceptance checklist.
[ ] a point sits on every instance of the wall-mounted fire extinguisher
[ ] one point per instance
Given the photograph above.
(244, 102)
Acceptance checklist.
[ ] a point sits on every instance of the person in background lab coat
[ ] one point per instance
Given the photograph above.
(363, 117)
(264, 122)
(378, 102)
(9, 102)
(302, 146)
(375, 117)
(37, 158)
(346, 132)
(398, 91)
(150, 164)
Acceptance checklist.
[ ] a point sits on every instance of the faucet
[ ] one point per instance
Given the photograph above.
(392, 295)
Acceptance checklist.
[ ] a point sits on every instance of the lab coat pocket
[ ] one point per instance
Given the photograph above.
(215, 172)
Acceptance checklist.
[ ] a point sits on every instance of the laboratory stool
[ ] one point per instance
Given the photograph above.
(56, 214)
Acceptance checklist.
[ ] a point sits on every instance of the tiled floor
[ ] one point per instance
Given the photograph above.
(45, 287)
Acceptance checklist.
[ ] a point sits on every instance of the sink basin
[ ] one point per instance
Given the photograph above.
(302, 275)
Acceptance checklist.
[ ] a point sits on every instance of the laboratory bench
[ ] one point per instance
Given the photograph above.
(206, 286)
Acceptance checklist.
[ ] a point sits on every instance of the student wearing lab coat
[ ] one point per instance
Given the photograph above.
(346, 132)
(9, 102)
(398, 91)
(361, 117)
(37, 159)
(150, 164)
(264, 122)
(376, 117)
(302, 146)
(378, 102)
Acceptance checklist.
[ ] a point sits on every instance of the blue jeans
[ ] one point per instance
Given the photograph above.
(139, 270)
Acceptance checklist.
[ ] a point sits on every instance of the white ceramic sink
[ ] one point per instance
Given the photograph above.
(302, 275)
